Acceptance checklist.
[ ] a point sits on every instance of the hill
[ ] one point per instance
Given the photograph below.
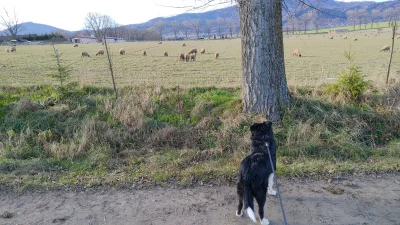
(36, 28)
(333, 13)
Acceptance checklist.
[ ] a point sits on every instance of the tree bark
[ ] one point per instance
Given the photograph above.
(265, 88)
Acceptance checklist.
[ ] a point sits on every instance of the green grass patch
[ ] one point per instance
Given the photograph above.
(155, 135)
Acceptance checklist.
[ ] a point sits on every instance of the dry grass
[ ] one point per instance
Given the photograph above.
(321, 59)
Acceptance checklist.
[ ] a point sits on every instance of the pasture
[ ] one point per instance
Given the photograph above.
(195, 133)
(322, 58)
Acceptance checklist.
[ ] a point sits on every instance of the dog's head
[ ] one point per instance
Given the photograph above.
(261, 132)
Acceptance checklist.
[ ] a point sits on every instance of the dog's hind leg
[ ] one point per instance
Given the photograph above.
(261, 198)
(270, 184)
(240, 193)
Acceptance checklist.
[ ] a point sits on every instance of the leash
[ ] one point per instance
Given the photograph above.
(277, 186)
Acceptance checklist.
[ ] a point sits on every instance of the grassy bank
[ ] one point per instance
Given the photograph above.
(85, 138)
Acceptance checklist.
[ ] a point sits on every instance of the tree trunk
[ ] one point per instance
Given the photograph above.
(265, 89)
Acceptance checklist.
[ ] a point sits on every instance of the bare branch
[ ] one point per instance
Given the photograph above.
(99, 23)
(204, 4)
(11, 23)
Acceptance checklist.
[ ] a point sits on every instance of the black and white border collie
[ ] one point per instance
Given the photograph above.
(255, 172)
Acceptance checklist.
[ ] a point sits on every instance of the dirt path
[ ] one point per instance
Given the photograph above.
(356, 200)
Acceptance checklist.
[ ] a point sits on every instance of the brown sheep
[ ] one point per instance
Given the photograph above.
(385, 48)
(187, 57)
(76, 45)
(85, 54)
(203, 51)
(102, 43)
(296, 53)
(193, 57)
(122, 51)
(182, 57)
(356, 39)
(144, 53)
(7, 50)
(194, 50)
(160, 43)
(184, 45)
(100, 52)
(217, 55)
(345, 37)
(331, 37)
(13, 49)
(165, 53)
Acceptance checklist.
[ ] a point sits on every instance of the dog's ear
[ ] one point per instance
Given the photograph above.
(268, 123)
(254, 127)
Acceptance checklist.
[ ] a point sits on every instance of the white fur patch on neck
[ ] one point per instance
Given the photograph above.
(250, 213)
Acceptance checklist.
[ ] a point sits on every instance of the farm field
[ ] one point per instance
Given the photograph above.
(322, 58)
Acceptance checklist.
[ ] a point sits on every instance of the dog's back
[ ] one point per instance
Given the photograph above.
(254, 171)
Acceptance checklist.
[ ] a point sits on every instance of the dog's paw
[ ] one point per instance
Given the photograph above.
(264, 221)
(271, 191)
(239, 215)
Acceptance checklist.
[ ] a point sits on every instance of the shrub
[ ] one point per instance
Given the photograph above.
(350, 83)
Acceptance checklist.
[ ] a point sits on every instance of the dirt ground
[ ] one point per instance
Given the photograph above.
(352, 200)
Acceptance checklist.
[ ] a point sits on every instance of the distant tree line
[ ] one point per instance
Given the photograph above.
(100, 25)
(44, 37)
(313, 19)
(227, 27)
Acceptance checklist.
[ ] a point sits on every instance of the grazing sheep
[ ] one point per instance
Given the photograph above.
(165, 53)
(345, 37)
(122, 51)
(144, 53)
(356, 39)
(217, 55)
(331, 37)
(184, 45)
(100, 52)
(194, 50)
(203, 51)
(296, 52)
(187, 57)
(182, 57)
(76, 45)
(160, 43)
(7, 50)
(13, 49)
(193, 57)
(85, 54)
(385, 48)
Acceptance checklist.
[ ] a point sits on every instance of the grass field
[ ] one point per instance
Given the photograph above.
(322, 58)
(157, 133)
(369, 27)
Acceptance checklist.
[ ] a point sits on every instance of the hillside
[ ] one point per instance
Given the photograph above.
(36, 28)
(332, 14)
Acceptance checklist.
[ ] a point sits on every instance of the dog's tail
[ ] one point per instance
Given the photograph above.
(248, 199)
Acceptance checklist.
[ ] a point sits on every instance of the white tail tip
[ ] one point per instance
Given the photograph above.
(250, 213)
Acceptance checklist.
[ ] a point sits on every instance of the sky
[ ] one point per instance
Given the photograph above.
(70, 15)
